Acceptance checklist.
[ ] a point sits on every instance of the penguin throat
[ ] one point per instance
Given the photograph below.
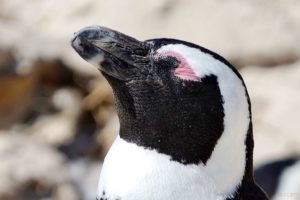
(182, 128)
(184, 70)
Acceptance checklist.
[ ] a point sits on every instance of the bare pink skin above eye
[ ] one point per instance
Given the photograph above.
(184, 70)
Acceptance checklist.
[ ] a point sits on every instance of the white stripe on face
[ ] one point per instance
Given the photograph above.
(228, 159)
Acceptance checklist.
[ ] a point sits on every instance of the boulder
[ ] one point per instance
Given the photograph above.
(31, 170)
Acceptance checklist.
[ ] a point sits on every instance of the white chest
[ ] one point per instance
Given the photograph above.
(131, 172)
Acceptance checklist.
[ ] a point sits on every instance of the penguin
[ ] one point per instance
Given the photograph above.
(185, 120)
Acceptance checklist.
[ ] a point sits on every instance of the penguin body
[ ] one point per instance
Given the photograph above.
(129, 167)
(185, 120)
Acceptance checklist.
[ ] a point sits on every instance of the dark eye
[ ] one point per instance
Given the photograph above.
(168, 61)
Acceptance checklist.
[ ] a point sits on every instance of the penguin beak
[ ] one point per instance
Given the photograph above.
(115, 53)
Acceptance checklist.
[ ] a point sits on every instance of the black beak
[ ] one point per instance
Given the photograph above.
(115, 53)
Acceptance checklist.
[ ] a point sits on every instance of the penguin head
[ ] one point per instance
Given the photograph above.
(172, 96)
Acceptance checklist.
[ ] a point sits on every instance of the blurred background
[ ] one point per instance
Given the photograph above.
(57, 118)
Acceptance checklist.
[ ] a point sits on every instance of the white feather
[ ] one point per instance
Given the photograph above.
(96, 60)
(134, 173)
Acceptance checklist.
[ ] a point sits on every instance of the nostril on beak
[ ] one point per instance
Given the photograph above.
(75, 38)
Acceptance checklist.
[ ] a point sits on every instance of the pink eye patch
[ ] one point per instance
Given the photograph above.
(183, 70)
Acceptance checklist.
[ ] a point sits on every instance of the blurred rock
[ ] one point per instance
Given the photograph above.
(85, 174)
(59, 128)
(53, 73)
(15, 92)
(8, 63)
(66, 191)
(99, 100)
(100, 103)
(108, 134)
(29, 170)
(15, 97)
(275, 101)
(26, 91)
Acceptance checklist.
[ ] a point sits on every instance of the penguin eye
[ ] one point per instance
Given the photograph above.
(167, 61)
(183, 69)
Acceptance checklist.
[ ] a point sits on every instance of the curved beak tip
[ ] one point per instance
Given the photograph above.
(96, 44)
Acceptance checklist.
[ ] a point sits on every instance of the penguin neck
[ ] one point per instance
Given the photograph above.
(128, 165)
(222, 149)
(227, 181)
